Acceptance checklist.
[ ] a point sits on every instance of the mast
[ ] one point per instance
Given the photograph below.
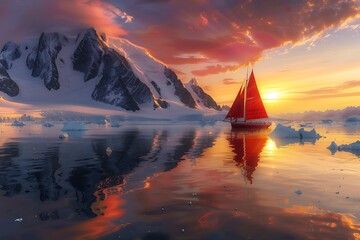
(245, 95)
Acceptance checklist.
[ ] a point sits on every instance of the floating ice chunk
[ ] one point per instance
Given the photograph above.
(108, 151)
(17, 124)
(115, 124)
(48, 125)
(74, 126)
(19, 220)
(327, 121)
(282, 131)
(298, 192)
(63, 135)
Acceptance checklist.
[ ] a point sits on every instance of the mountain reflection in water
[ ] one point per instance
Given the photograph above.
(163, 182)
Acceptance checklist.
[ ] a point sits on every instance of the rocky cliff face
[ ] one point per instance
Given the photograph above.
(180, 90)
(112, 86)
(10, 52)
(7, 85)
(42, 60)
(88, 55)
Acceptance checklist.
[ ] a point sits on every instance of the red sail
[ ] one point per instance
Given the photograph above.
(254, 106)
(237, 109)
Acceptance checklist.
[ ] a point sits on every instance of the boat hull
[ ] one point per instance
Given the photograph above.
(250, 125)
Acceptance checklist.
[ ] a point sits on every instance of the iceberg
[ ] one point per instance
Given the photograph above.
(74, 126)
(283, 135)
(308, 134)
(282, 131)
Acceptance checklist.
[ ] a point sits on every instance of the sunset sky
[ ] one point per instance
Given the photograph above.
(305, 54)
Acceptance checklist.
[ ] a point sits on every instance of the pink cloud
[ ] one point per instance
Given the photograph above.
(215, 70)
(231, 32)
(33, 17)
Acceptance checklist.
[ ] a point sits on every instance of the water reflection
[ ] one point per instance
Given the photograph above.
(82, 170)
(282, 142)
(156, 182)
(247, 146)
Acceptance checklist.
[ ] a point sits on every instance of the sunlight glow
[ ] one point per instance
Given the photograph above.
(271, 96)
(270, 145)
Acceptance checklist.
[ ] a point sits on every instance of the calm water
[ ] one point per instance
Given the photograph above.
(176, 181)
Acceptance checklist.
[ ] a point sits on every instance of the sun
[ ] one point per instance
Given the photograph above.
(271, 96)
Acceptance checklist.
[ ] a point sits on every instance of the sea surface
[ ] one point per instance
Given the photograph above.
(177, 180)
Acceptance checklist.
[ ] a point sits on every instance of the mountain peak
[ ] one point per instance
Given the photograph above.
(193, 82)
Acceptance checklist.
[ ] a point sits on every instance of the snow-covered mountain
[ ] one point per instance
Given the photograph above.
(203, 99)
(91, 70)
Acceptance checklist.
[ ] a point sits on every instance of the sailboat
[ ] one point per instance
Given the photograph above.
(248, 111)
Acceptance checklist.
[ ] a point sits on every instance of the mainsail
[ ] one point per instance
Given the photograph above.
(253, 108)
(237, 109)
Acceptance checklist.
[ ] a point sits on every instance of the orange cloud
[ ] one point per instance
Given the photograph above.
(230, 32)
(215, 70)
(230, 81)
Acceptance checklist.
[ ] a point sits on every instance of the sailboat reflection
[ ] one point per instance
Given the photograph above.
(247, 146)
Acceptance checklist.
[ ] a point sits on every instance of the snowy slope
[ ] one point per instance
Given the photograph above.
(91, 71)
(203, 99)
